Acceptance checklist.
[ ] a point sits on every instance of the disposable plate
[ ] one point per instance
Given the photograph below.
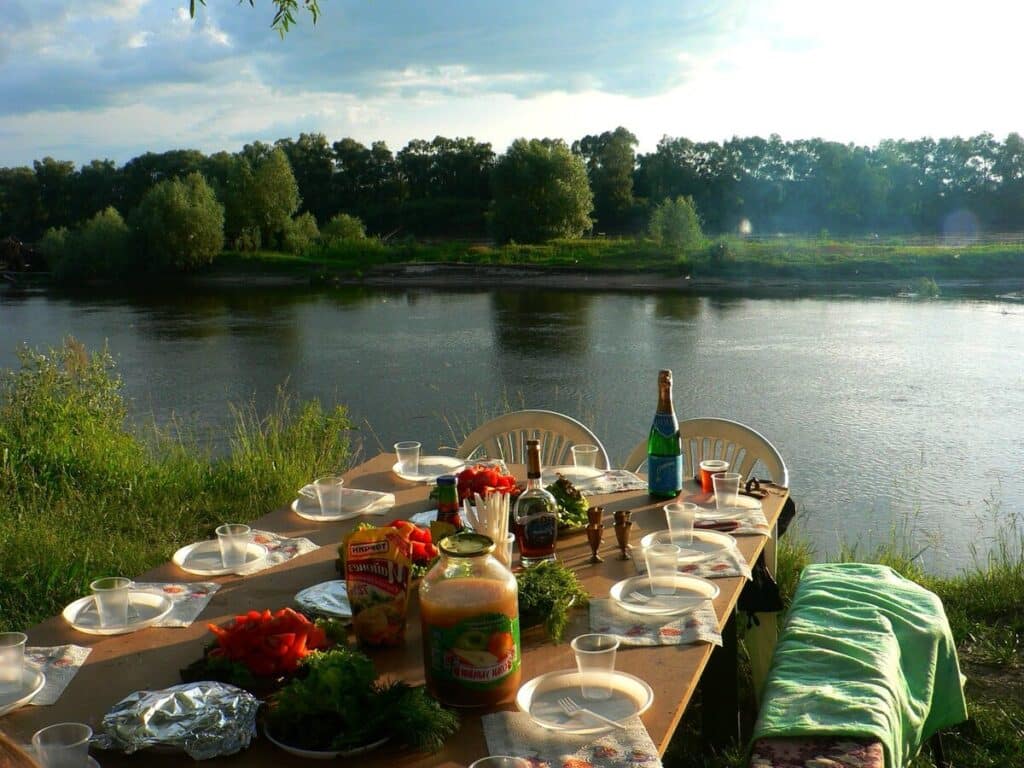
(144, 609)
(690, 593)
(32, 682)
(743, 505)
(706, 545)
(203, 558)
(539, 699)
(354, 502)
(575, 475)
(329, 598)
(431, 467)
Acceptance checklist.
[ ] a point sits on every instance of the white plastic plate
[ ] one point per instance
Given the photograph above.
(32, 682)
(144, 609)
(706, 545)
(690, 593)
(431, 467)
(203, 558)
(539, 699)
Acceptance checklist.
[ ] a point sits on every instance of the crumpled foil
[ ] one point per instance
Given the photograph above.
(205, 719)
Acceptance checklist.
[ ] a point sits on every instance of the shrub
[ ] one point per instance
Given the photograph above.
(675, 223)
(343, 227)
(54, 244)
(300, 233)
(179, 225)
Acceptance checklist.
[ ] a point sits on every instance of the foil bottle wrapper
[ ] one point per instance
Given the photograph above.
(205, 719)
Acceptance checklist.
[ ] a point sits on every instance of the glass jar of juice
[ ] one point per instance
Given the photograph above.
(469, 606)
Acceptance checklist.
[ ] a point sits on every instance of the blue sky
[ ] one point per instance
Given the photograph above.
(113, 78)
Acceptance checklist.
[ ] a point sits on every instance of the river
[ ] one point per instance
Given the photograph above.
(892, 414)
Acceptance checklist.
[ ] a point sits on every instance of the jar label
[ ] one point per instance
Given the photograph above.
(665, 473)
(478, 653)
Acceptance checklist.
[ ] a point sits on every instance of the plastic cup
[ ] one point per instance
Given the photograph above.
(64, 745)
(680, 517)
(234, 543)
(709, 467)
(111, 596)
(500, 761)
(584, 455)
(662, 561)
(329, 493)
(12, 660)
(727, 488)
(503, 550)
(408, 453)
(595, 658)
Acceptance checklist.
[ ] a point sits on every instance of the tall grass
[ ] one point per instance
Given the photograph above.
(86, 496)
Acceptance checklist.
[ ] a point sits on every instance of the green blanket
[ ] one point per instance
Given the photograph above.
(864, 653)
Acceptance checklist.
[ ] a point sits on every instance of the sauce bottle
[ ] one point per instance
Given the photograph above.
(469, 607)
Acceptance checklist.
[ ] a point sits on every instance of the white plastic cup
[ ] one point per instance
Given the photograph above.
(64, 745)
(12, 660)
(662, 561)
(584, 455)
(111, 595)
(503, 550)
(595, 660)
(408, 453)
(234, 543)
(727, 488)
(500, 761)
(329, 492)
(680, 517)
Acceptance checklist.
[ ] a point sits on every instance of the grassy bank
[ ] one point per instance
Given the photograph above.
(730, 258)
(84, 497)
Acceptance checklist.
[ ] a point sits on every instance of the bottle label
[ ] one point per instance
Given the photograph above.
(541, 532)
(664, 474)
(478, 653)
(665, 425)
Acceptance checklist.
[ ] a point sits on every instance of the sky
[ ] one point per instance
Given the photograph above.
(114, 78)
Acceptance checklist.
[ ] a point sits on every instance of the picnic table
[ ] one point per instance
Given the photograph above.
(151, 658)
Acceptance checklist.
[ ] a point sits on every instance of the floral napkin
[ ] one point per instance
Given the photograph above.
(59, 664)
(730, 562)
(280, 549)
(700, 625)
(613, 481)
(515, 733)
(188, 598)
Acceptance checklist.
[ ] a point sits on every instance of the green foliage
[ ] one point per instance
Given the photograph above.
(85, 496)
(547, 591)
(926, 287)
(611, 161)
(343, 227)
(179, 225)
(249, 239)
(100, 248)
(284, 14)
(674, 223)
(54, 244)
(300, 233)
(541, 192)
(260, 193)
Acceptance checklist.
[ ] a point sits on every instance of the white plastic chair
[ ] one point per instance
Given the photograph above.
(709, 438)
(505, 438)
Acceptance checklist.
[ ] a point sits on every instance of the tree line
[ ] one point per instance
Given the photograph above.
(461, 188)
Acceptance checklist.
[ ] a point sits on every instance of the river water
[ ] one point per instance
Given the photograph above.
(892, 414)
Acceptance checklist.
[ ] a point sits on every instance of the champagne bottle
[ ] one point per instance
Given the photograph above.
(536, 514)
(664, 447)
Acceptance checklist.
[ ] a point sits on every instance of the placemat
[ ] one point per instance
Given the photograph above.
(280, 549)
(60, 664)
(700, 625)
(515, 733)
(189, 599)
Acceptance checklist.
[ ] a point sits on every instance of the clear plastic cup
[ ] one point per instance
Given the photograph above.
(680, 517)
(329, 492)
(727, 488)
(595, 659)
(111, 595)
(408, 453)
(584, 455)
(662, 561)
(64, 745)
(503, 550)
(234, 543)
(12, 660)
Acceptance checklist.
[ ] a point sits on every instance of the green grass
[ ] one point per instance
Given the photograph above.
(85, 497)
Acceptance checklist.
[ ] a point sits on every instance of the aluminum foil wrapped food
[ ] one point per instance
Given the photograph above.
(205, 719)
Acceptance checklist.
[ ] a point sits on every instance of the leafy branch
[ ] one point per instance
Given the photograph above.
(284, 16)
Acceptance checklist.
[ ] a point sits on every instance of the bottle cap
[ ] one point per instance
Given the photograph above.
(446, 480)
(466, 544)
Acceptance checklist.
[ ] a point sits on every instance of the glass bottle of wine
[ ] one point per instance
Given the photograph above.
(536, 514)
(664, 447)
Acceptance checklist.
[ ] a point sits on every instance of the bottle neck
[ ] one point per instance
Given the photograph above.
(532, 466)
(665, 397)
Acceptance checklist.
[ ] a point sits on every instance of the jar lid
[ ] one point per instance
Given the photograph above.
(446, 480)
(466, 544)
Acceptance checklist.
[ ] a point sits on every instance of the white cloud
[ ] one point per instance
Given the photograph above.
(139, 39)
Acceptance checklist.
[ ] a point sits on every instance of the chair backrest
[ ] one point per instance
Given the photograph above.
(709, 438)
(505, 438)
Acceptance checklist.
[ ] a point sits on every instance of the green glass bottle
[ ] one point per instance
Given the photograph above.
(664, 447)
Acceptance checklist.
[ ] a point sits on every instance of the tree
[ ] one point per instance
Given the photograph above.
(260, 194)
(179, 225)
(611, 160)
(343, 227)
(675, 223)
(540, 192)
(312, 162)
(99, 248)
(300, 233)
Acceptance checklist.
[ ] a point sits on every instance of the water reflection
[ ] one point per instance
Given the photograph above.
(541, 323)
(677, 306)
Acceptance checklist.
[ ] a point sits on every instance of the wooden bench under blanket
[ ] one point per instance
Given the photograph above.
(865, 671)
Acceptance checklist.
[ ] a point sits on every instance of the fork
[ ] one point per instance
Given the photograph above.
(676, 600)
(571, 708)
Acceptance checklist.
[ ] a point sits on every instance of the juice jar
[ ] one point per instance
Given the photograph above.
(469, 606)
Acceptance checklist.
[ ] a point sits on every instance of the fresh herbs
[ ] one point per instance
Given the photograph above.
(546, 593)
(338, 704)
(572, 504)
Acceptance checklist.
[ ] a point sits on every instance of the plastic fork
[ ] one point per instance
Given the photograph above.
(571, 708)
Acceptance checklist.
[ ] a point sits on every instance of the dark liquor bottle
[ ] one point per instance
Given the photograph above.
(664, 448)
(448, 508)
(536, 514)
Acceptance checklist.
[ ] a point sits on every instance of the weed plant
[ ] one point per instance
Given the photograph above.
(85, 496)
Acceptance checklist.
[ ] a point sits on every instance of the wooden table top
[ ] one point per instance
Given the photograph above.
(151, 658)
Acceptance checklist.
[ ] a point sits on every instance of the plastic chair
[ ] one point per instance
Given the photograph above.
(709, 438)
(505, 438)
